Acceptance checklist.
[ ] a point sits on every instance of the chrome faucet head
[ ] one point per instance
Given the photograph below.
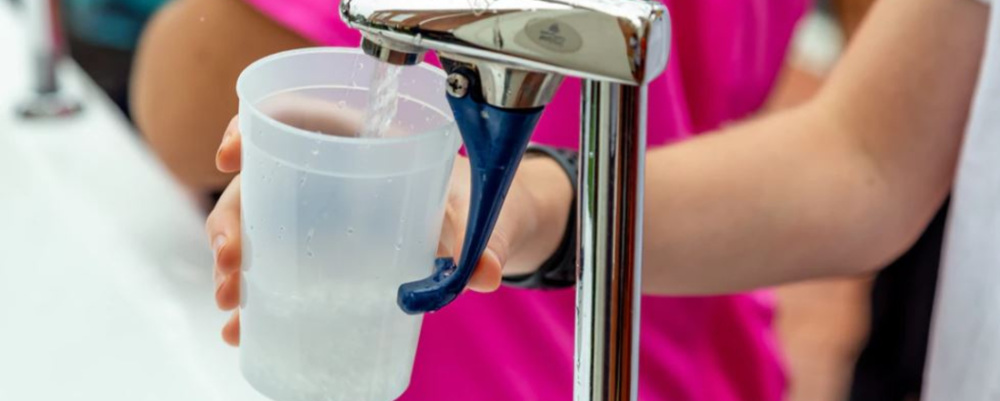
(398, 53)
(620, 41)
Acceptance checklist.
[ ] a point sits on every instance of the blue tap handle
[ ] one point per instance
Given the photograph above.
(495, 140)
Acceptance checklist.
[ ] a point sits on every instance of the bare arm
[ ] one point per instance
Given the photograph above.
(839, 186)
(184, 79)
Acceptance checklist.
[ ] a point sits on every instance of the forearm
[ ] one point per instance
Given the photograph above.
(184, 78)
(839, 186)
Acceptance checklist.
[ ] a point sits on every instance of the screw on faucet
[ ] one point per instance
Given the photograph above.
(458, 85)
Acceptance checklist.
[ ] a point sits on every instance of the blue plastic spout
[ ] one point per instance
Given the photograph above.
(495, 140)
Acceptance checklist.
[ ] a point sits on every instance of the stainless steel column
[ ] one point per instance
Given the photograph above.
(612, 154)
(48, 46)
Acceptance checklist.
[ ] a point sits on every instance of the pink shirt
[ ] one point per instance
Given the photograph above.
(518, 344)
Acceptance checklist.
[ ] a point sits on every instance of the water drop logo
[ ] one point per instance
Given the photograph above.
(554, 35)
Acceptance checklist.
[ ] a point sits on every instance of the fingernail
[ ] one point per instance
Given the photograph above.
(218, 243)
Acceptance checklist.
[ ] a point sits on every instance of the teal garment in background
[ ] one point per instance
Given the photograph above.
(110, 23)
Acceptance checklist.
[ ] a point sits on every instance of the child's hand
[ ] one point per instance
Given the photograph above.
(528, 231)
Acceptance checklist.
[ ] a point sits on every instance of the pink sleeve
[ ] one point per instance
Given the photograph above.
(724, 58)
(316, 20)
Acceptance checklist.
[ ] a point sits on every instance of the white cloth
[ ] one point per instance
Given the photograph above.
(964, 354)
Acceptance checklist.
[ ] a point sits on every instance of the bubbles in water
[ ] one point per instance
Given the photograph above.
(309, 235)
(399, 244)
(350, 230)
(309, 252)
(315, 152)
(342, 104)
(302, 182)
(251, 227)
(281, 228)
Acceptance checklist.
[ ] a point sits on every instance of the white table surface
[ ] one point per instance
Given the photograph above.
(105, 275)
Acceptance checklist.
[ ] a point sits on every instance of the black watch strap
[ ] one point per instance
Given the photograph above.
(559, 271)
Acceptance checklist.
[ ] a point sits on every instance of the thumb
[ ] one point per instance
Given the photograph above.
(227, 159)
(489, 269)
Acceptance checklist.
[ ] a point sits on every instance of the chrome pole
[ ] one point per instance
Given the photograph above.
(47, 46)
(612, 149)
(46, 43)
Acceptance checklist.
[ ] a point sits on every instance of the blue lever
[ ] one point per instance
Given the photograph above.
(495, 140)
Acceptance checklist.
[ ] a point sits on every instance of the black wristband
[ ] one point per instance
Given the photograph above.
(559, 271)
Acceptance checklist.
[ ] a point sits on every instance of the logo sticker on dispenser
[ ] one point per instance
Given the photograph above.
(554, 35)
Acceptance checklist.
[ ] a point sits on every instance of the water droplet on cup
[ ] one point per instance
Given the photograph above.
(309, 252)
(309, 235)
(484, 115)
(315, 152)
(282, 228)
(350, 230)
(302, 182)
(342, 104)
(399, 244)
(388, 180)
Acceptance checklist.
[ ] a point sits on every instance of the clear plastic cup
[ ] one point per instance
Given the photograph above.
(333, 224)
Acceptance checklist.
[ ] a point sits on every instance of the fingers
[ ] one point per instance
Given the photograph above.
(223, 228)
(231, 331)
(227, 291)
(489, 269)
(227, 159)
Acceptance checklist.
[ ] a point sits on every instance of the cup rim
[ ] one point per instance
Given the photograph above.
(261, 116)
